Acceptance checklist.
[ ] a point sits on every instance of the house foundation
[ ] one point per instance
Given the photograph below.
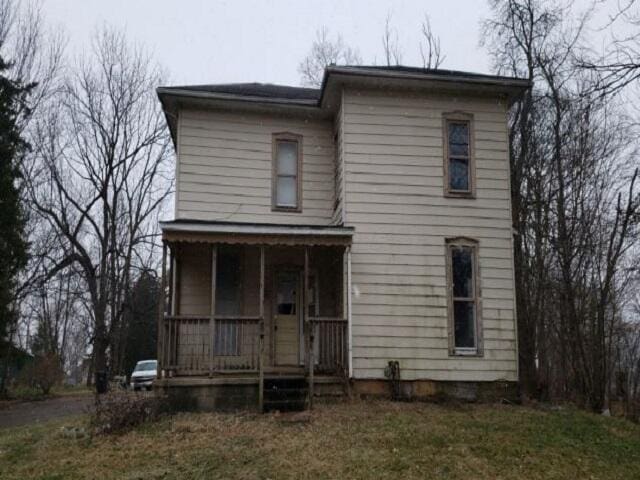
(234, 394)
(435, 390)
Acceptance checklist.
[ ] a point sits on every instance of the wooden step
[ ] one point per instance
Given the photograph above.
(285, 394)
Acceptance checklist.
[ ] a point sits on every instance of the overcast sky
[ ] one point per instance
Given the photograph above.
(219, 41)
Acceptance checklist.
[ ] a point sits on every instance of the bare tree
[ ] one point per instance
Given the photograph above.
(35, 52)
(575, 202)
(324, 52)
(627, 355)
(511, 37)
(101, 175)
(390, 43)
(430, 50)
(619, 66)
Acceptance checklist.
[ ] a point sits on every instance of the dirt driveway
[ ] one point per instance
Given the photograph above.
(24, 413)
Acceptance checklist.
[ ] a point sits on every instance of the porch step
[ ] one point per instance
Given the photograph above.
(285, 394)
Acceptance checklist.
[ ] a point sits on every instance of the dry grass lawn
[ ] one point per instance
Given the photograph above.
(353, 440)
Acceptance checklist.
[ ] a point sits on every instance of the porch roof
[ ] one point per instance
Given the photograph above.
(200, 231)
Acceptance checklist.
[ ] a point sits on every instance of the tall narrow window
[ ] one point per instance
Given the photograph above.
(463, 290)
(287, 165)
(458, 148)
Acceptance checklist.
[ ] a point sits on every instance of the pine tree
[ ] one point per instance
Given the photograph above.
(13, 244)
(141, 322)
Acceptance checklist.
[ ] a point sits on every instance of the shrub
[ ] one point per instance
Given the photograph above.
(118, 411)
(43, 373)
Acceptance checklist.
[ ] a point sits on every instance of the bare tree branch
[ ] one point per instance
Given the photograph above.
(324, 52)
(430, 51)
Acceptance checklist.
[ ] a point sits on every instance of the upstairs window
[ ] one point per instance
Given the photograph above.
(458, 155)
(287, 172)
(462, 285)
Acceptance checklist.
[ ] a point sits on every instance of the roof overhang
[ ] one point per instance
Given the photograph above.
(461, 83)
(194, 231)
(173, 100)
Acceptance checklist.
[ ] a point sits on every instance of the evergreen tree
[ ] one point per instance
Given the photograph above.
(13, 244)
(141, 319)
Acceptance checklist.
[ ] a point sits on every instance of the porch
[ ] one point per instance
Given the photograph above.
(244, 303)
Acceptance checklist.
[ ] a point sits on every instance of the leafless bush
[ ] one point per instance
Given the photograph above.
(118, 412)
(43, 373)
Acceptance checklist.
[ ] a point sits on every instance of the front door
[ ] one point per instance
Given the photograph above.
(287, 318)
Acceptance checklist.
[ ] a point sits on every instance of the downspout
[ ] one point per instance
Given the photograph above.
(349, 320)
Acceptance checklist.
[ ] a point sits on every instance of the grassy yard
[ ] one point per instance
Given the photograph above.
(22, 394)
(343, 441)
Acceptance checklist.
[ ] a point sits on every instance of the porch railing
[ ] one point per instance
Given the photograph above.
(191, 345)
(330, 354)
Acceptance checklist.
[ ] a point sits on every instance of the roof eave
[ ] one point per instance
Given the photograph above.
(257, 228)
(183, 93)
(171, 97)
(255, 234)
(514, 87)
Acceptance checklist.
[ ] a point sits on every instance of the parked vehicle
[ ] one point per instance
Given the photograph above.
(144, 374)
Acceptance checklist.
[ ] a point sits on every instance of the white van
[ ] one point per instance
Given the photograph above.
(144, 374)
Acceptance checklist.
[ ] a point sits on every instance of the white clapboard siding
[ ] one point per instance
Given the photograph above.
(392, 152)
(224, 167)
(194, 281)
(496, 373)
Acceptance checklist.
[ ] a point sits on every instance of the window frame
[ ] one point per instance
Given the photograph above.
(275, 139)
(478, 350)
(447, 119)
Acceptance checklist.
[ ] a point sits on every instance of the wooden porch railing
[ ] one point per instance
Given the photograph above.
(189, 346)
(329, 341)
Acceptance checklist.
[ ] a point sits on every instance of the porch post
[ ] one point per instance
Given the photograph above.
(212, 318)
(161, 309)
(261, 336)
(171, 301)
(307, 324)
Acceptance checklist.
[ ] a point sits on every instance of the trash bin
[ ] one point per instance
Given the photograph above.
(102, 383)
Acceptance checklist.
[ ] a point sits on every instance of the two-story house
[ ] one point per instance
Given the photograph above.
(320, 234)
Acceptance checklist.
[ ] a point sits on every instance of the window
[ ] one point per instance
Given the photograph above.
(463, 288)
(287, 172)
(228, 304)
(458, 152)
